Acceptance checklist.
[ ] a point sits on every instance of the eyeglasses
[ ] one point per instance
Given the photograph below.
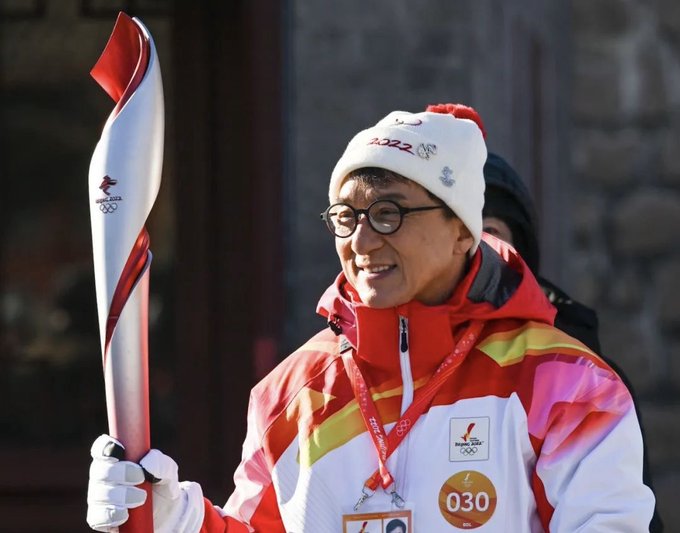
(384, 216)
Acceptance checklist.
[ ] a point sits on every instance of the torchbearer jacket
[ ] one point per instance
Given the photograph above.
(532, 432)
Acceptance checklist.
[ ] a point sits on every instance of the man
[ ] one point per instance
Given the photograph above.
(440, 390)
(509, 214)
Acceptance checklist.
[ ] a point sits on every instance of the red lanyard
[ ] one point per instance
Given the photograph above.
(386, 444)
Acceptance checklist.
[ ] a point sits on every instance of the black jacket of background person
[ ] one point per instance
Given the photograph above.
(507, 198)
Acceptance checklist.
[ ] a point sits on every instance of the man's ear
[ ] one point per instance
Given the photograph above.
(464, 240)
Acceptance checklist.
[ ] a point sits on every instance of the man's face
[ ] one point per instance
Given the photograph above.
(423, 260)
(498, 228)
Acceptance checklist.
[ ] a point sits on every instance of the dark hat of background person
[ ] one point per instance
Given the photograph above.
(507, 198)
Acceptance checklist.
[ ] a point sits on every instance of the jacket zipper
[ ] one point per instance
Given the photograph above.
(406, 400)
(405, 363)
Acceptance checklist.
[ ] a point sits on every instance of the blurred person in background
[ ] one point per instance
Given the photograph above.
(510, 214)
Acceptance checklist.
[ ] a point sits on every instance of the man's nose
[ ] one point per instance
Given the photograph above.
(365, 239)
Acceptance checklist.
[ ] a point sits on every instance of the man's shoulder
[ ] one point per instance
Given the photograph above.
(512, 341)
(304, 374)
(549, 361)
(306, 362)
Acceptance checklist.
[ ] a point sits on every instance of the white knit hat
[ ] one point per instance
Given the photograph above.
(440, 152)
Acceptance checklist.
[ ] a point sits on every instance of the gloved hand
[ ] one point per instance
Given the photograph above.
(177, 507)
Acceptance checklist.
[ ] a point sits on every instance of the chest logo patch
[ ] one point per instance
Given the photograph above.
(469, 439)
(467, 500)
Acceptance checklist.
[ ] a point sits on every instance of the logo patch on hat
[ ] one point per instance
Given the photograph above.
(447, 177)
(427, 150)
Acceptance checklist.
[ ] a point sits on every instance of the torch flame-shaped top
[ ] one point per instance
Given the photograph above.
(122, 65)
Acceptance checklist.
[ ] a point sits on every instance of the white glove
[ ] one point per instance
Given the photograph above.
(177, 507)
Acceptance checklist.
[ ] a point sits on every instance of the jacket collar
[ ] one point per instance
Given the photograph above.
(498, 285)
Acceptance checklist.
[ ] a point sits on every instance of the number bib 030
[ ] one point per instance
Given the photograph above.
(467, 500)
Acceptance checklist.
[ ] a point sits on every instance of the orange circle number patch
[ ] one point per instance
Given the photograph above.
(467, 499)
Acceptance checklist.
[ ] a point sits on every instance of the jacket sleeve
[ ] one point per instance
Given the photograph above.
(253, 506)
(588, 474)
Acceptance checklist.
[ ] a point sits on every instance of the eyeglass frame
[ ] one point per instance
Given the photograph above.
(403, 211)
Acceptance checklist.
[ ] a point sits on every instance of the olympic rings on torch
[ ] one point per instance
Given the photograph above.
(108, 207)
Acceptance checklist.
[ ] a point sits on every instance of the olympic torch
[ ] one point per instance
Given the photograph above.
(124, 178)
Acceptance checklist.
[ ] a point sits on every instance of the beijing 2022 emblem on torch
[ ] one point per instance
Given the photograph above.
(124, 178)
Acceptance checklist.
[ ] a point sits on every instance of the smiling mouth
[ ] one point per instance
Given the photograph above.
(376, 271)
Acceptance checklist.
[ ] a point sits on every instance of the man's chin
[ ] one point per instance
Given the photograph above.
(377, 300)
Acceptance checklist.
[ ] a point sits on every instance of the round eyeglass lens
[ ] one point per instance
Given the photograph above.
(384, 216)
(341, 219)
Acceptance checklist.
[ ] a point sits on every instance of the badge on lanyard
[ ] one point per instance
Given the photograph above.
(388, 522)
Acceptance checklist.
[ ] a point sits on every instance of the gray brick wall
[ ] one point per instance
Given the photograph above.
(626, 175)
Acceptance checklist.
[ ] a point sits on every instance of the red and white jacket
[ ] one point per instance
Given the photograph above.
(557, 445)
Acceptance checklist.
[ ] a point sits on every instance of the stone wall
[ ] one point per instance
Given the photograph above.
(625, 159)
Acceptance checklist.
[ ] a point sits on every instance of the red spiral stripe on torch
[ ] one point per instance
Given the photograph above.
(136, 439)
(134, 266)
(122, 66)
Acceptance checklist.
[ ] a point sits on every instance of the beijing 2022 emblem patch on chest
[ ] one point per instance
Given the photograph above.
(469, 439)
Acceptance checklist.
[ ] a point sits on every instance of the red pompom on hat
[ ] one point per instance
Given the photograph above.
(458, 111)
